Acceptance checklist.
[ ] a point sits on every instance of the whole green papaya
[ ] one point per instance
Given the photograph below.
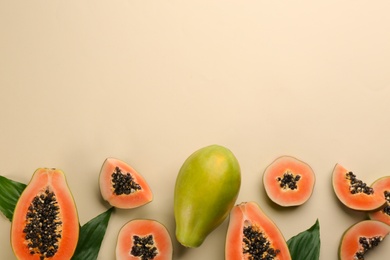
(206, 189)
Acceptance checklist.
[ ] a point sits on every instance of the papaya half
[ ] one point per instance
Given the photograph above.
(252, 234)
(122, 186)
(45, 222)
(206, 189)
(353, 192)
(289, 181)
(144, 239)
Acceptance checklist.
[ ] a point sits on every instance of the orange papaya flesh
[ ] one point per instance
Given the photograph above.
(289, 181)
(122, 186)
(362, 237)
(144, 239)
(45, 222)
(353, 192)
(253, 235)
(382, 186)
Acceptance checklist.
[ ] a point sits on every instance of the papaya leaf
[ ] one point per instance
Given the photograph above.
(10, 192)
(307, 244)
(91, 237)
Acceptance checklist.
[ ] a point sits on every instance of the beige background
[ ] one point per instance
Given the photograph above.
(150, 82)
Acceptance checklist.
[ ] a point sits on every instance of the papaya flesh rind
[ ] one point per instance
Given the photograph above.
(160, 243)
(289, 181)
(138, 191)
(355, 194)
(206, 189)
(249, 214)
(50, 182)
(352, 240)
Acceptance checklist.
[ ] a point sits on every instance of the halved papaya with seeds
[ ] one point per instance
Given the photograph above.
(144, 239)
(382, 186)
(353, 192)
(45, 222)
(253, 235)
(362, 237)
(122, 186)
(289, 181)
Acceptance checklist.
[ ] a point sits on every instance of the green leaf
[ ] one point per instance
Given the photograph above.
(91, 237)
(10, 192)
(306, 245)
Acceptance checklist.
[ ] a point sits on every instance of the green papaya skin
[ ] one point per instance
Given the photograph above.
(206, 190)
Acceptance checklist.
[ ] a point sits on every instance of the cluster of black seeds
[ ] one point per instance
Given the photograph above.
(123, 183)
(367, 244)
(386, 209)
(43, 225)
(144, 247)
(288, 180)
(387, 195)
(358, 186)
(256, 245)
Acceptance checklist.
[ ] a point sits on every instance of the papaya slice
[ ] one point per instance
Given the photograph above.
(122, 186)
(45, 222)
(144, 239)
(362, 237)
(289, 181)
(353, 192)
(382, 186)
(253, 235)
